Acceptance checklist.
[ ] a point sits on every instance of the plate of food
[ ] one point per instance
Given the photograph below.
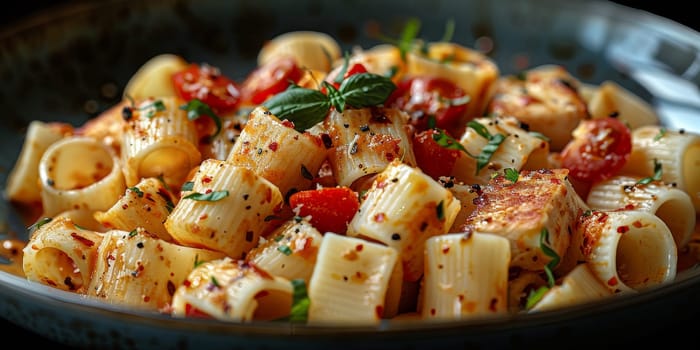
(259, 174)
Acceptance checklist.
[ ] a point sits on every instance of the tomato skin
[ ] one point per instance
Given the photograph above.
(424, 96)
(331, 208)
(191, 311)
(206, 83)
(432, 158)
(598, 150)
(271, 78)
(355, 68)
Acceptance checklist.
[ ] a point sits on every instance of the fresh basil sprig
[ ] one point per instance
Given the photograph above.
(210, 197)
(307, 107)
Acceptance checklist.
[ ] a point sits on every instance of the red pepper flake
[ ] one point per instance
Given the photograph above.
(380, 217)
(206, 179)
(208, 191)
(261, 294)
(359, 247)
(637, 224)
(623, 229)
(379, 311)
(82, 239)
(273, 146)
(433, 312)
(288, 123)
(493, 304)
(204, 217)
(612, 281)
(445, 249)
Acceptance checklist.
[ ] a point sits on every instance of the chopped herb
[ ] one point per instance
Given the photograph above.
(548, 251)
(300, 302)
(187, 186)
(449, 31)
(587, 213)
(196, 108)
(446, 141)
(162, 180)
(658, 172)
(197, 262)
(215, 282)
(432, 122)
(494, 141)
(346, 61)
(440, 210)
(39, 223)
(285, 250)
(535, 296)
(661, 134)
(539, 135)
(136, 190)
(133, 233)
(278, 238)
(211, 196)
(511, 174)
(272, 217)
(152, 108)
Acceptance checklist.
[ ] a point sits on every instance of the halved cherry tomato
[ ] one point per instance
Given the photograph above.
(207, 84)
(432, 158)
(271, 78)
(425, 96)
(331, 208)
(598, 150)
(355, 68)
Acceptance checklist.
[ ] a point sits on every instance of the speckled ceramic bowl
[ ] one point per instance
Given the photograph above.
(71, 64)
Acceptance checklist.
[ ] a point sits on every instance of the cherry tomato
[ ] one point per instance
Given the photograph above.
(432, 158)
(331, 208)
(355, 68)
(599, 149)
(428, 96)
(273, 77)
(207, 84)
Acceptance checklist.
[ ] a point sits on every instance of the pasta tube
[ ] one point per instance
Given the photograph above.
(521, 210)
(546, 98)
(364, 141)
(159, 141)
(141, 270)
(579, 286)
(289, 251)
(670, 204)
(61, 254)
(402, 209)
(311, 49)
(349, 282)
(23, 183)
(232, 290)
(629, 250)
(154, 78)
(145, 205)
(274, 150)
(466, 276)
(224, 210)
(677, 152)
(79, 172)
(612, 99)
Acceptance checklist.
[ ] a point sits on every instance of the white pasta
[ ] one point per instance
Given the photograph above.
(349, 283)
(403, 208)
(610, 98)
(154, 78)
(579, 286)
(93, 183)
(311, 49)
(466, 276)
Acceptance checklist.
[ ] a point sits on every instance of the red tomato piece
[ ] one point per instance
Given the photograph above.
(356, 68)
(191, 311)
(428, 96)
(432, 158)
(270, 79)
(331, 208)
(206, 83)
(598, 150)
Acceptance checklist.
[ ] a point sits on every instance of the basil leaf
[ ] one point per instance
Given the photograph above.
(300, 302)
(544, 245)
(446, 141)
(211, 196)
(535, 296)
(196, 108)
(511, 174)
(304, 107)
(366, 89)
(337, 101)
(658, 173)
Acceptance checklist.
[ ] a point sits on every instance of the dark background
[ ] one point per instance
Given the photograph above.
(670, 332)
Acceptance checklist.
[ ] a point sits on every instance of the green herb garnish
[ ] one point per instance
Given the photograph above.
(211, 196)
(41, 222)
(535, 296)
(658, 172)
(187, 186)
(300, 302)
(661, 134)
(440, 210)
(548, 251)
(136, 190)
(152, 108)
(196, 108)
(511, 174)
(284, 249)
(494, 141)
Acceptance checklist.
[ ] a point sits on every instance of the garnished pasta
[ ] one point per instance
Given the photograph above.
(410, 181)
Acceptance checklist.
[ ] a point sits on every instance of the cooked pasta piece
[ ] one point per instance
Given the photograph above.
(350, 280)
(628, 251)
(290, 251)
(138, 269)
(466, 276)
(520, 286)
(395, 292)
(23, 184)
(402, 209)
(677, 152)
(364, 141)
(274, 150)
(154, 78)
(224, 210)
(610, 98)
(520, 211)
(145, 205)
(579, 286)
(311, 49)
(383, 59)
(465, 194)
(61, 254)
(231, 290)
(670, 204)
(546, 98)
(79, 172)
(107, 127)
(472, 71)
(519, 150)
(220, 145)
(159, 141)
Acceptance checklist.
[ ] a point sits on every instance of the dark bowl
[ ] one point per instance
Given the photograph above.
(72, 63)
